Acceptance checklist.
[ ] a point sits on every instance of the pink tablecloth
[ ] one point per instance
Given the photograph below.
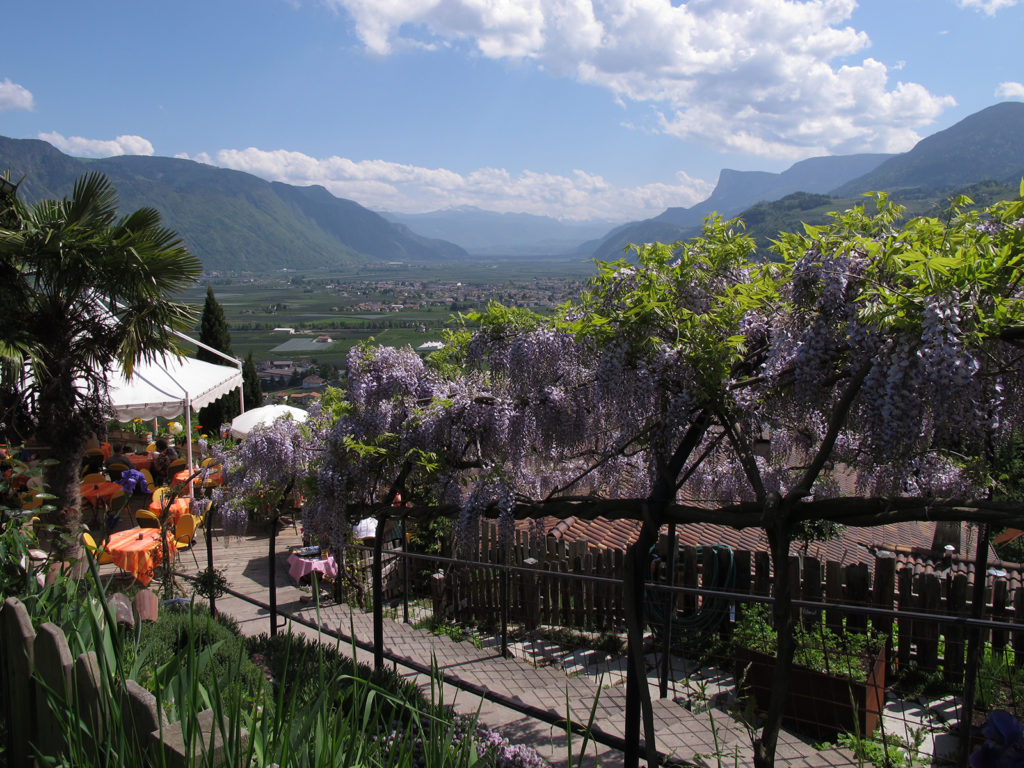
(301, 566)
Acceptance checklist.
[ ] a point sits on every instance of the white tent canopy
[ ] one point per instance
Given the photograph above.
(163, 387)
(243, 424)
(169, 385)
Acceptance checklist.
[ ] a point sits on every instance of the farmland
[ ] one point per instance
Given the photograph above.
(395, 305)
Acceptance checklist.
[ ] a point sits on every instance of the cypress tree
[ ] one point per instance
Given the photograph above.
(214, 332)
(251, 388)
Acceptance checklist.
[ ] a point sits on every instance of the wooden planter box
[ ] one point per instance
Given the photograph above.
(819, 705)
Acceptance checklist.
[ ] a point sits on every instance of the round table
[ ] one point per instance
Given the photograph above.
(139, 551)
(298, 567)
(213, 478)
(180, 506)
(141, 460)
(93, 493)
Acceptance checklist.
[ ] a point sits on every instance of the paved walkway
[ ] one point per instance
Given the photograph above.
(680, 733)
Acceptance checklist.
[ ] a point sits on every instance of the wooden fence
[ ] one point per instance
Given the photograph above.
(39, 674)
(542, 595)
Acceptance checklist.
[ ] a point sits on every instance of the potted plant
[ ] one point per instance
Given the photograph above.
(836, 685)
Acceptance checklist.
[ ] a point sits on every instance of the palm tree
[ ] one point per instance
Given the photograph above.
(85, 289)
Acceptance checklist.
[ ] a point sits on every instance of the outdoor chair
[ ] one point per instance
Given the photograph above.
(151, 448)
(149, 478)
(147, 519)
(162, 493)
(176, 466)
(95, 478)
(118, 503)
(90, 544)
(116, 469)
(185, 534)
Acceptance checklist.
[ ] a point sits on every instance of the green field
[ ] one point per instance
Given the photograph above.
(327, 303)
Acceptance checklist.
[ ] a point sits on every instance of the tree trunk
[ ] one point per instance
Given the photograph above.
(638, 693)
(779, 540)
(63, 479)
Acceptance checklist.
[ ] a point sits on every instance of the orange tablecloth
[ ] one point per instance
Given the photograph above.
(141, 461)
(138, 551)
(93, 492)
(212, 480)
(180, 506)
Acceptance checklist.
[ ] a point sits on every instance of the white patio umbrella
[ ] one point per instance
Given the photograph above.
(242, 424)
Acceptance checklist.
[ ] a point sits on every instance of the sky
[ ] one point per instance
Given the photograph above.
(576, 109)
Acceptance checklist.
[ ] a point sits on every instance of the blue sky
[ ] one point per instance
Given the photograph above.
(578, 109)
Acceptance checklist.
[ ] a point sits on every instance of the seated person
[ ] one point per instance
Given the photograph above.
(162, 458)
(92, 463)
(117, 457)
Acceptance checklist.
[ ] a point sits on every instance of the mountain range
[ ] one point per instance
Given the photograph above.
(233, 221)
(487, 233)
(238, 222)
(987, 146)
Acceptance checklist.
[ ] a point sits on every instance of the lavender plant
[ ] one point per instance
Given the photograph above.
(260, 471)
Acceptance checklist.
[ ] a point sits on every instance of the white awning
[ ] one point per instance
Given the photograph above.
(162, 387)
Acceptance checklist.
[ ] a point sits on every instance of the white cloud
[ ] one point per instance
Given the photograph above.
(755, 76)
(988, 6)
(1010, 90)
(14, 96)
(384, 185)
(81, 147)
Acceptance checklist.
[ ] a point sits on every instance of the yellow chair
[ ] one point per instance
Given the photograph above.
(149, 478)
(201, 519)
(151, 448)
(115, 470)
(176, 466)
(101, 556)
(185, 534)
(162, 493)
(210, 461)
(147, 518)
(95, 478)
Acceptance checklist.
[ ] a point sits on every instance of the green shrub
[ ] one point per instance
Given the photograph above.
(817, 647)
(307, 665)
(181, 631)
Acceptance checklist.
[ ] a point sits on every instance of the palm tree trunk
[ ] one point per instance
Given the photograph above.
(63, 428)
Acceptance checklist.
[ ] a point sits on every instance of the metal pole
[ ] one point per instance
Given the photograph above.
(974, 640)
(209, 557)
(405, 569)
(504, 604)
(633, 594)
(378, 596)
(670, 614)
(272, 575)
